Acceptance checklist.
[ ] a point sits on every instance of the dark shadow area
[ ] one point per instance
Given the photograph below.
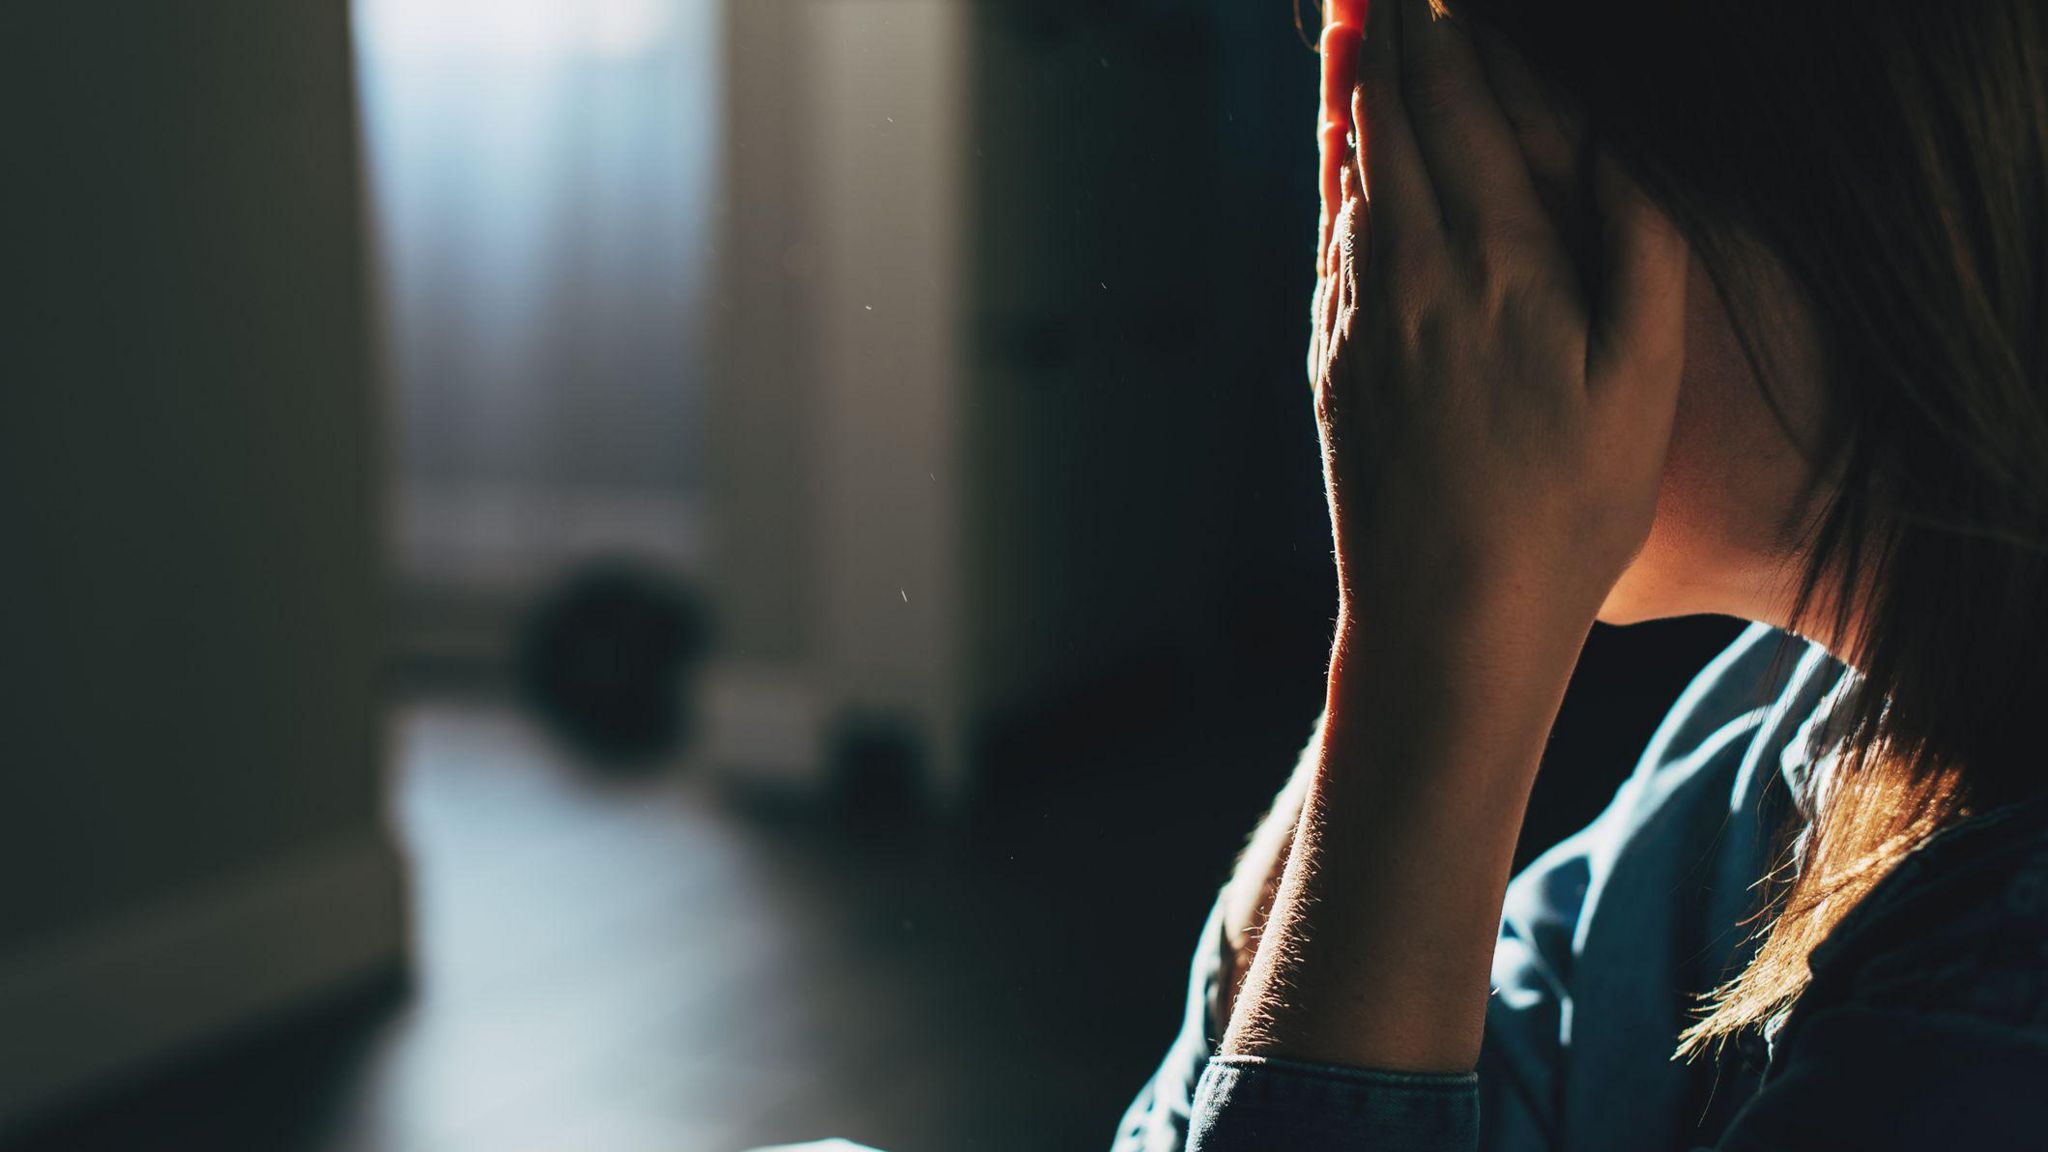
(284, 1084)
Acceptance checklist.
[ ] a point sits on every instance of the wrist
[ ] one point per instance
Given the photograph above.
(1481, 654)
(1453, 593)
(1456, 697)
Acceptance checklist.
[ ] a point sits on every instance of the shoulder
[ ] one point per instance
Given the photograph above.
(1959, 928)
(1926, 1024)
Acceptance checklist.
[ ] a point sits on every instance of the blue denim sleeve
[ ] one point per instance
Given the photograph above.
(1157, 1121)
(1249, 1104)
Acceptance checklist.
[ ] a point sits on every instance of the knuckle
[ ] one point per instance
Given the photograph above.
(1415, 327)
(1430, 94)
(1349, 248)
(1500, 264)
(1493, 285)
(1377, 105)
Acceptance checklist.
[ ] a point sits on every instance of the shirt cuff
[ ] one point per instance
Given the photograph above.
(1247, 1103)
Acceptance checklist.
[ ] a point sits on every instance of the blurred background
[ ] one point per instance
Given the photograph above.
(652, 574)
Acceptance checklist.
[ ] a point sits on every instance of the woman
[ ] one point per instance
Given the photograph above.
(1627, 311)
(1630, 311)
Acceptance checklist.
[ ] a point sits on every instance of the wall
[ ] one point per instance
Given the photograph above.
(961, 462)
(833, 426)
(192, 828)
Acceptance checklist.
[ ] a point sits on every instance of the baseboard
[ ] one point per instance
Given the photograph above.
(86, 1008)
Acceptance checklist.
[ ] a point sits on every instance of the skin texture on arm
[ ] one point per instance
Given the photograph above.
(1494, 437)
(1255, 882)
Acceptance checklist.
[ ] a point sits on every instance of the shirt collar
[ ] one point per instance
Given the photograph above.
(1813, 748)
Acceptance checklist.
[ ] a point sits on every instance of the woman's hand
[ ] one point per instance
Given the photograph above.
(1493, 432)
(1493, 428)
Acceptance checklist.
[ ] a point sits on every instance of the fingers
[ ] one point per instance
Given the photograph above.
(1340, 46)
(1352, 239)
(1637, 330)
(1352, 188)
(1466, 141)
(1549, 140)
(1338, 299)
(1397, 187)
(1315, 335)
(1553, 147)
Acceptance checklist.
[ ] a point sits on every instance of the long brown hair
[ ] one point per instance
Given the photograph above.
(1892, 159)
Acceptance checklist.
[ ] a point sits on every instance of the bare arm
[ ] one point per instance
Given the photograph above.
(1248, 897)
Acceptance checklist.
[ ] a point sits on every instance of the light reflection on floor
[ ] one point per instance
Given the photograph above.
(605, 963)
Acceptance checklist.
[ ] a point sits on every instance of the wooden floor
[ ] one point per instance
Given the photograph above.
(638, 963)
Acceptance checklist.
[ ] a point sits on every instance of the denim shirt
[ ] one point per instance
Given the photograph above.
(1925, 1025)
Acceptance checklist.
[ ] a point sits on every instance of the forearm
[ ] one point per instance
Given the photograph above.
(1248, 898)
(1381, 934)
